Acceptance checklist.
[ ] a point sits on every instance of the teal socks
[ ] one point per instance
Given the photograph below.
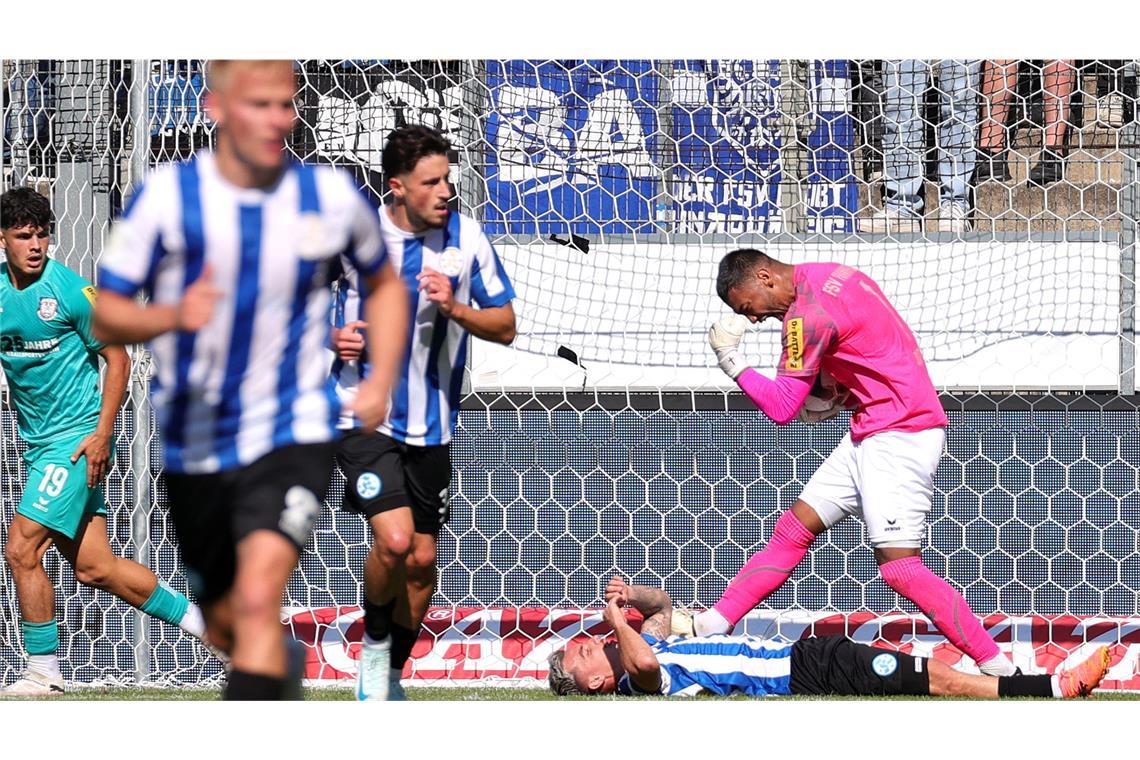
(166, 604)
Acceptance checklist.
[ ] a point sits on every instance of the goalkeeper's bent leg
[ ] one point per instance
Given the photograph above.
(765, 572)
(947, 609)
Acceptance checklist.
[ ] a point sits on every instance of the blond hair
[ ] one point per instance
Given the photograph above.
(219, 72)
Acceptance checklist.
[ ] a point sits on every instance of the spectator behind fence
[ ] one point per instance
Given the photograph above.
(998, 87)
(904, 143)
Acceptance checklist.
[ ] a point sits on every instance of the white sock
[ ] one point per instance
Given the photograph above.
(384, 643)
(998, 665)
(192, 621)
(44, 664)
(1055, 682)
(709, 622)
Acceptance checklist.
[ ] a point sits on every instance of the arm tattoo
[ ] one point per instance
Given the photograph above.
(658, 624)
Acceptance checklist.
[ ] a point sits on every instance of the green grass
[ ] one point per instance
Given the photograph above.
(472, 694)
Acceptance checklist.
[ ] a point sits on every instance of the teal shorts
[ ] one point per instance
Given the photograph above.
(56, 494)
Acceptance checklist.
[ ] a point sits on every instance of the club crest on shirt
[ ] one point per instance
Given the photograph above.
(312, 237)
(451, 262)
(49, 307)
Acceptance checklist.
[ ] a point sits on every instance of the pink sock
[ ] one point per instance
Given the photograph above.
(767, 570)
(942, 604)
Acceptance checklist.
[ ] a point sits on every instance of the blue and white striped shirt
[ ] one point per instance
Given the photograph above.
(425, 398)
(254, 378)
(720, 664)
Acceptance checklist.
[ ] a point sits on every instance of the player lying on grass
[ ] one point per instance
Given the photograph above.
(654, 662)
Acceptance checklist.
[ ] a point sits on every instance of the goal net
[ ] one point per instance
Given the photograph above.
(604, 440)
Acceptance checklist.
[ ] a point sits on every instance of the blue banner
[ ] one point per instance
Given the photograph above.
(571, 147)
(576, 146)
(727, 173)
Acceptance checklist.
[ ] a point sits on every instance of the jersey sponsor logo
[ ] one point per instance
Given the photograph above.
(885, 664)
(368, 485)
(48, 308)
(795, 343)
(17, 346)
(90, 293)
(301, 508)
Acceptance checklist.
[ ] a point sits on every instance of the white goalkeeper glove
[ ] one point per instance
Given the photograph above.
(724, 337)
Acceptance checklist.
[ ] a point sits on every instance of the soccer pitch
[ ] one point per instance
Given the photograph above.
(127, 694)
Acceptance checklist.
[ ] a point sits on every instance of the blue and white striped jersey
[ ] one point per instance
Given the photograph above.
(720, 664)
(425, 398)
(255, 377)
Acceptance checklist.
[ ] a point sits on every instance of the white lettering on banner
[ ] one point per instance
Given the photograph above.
(825, 194)
(338, 121)
(700, 221)
(613, 135)
(358, 130)
(535, 143)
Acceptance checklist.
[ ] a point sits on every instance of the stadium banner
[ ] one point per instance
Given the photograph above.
(351, 107)
(682, 146)
(459, 646)
(570, 147)
(726, 124)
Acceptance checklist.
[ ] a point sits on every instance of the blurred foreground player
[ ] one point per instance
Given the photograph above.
(839, 327)
(653, 662)
(236, 249)
(397, 477)
(50, 359)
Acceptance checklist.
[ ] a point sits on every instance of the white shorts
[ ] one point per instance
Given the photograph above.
(887, 479)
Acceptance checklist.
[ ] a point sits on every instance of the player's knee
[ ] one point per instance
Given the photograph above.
(392, 547)
(20, 555)
(255, 599)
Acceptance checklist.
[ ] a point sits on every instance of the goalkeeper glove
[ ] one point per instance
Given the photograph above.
(724, 337)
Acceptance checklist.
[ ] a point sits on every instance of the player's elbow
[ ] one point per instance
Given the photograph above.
(783, 417)
(507, 334)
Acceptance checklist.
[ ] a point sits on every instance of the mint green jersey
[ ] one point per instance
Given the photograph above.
(49, 354)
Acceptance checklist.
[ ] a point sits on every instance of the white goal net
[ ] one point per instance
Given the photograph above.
(604, 439)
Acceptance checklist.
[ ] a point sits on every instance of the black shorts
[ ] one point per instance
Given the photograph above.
(382, 474)
(834, 665)
(282, 491)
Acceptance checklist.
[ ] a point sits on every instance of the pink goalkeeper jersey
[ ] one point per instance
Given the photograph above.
(841, 322)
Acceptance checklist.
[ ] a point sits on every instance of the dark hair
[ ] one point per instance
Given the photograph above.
(407, 145)
(561, 682)
(737, 265)
(24, 207)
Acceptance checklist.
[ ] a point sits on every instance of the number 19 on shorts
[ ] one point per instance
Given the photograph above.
(54, 479)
